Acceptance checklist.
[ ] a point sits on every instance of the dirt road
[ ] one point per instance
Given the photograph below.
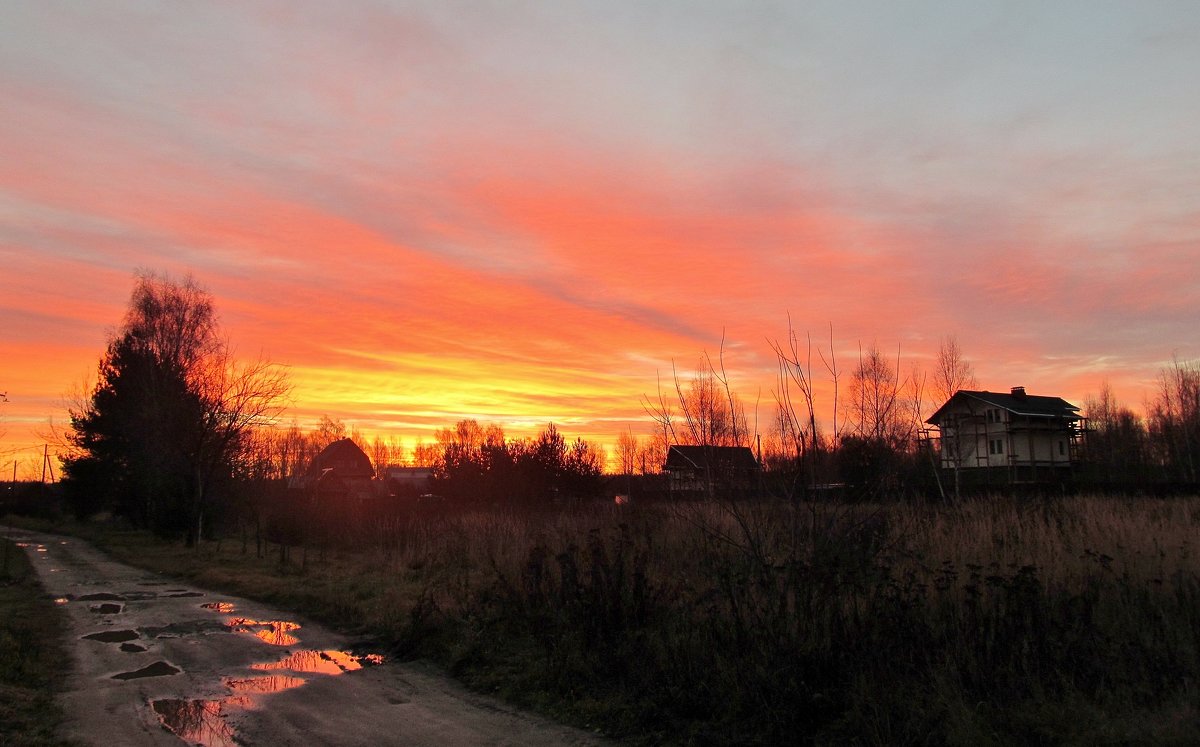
(157, 661)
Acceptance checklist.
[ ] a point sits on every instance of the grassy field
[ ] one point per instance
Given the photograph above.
(1070, 621)
(31, 655)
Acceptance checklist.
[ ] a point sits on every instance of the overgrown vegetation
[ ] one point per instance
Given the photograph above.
(993, 622)
(32, 662)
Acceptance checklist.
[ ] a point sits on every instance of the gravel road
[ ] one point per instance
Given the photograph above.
(158, 661)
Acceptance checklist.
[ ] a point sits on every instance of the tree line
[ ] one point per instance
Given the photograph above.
(858, 428)
(176, 431)
(1126, 451)
(174, 423)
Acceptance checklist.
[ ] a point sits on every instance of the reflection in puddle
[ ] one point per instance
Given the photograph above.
(182, 629)
(270, 684)
(321, 662)
(274, 632)
(196, 721)
(106, 609)
(157, 669)
(204, 722)
(22, 544)
(61, 600)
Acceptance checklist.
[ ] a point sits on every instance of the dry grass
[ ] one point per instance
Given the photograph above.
(31, 655)
(994, 622)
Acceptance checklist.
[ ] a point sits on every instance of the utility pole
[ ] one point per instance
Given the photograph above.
(46, 462)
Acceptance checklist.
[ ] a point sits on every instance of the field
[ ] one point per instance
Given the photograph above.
(998, 621)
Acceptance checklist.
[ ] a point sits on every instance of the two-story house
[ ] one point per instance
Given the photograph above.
(1008, 438)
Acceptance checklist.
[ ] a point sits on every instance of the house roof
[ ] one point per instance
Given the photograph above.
(1016, 402)
(699, 457)
(342, 458)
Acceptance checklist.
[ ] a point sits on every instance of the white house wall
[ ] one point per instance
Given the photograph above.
(1040, 444)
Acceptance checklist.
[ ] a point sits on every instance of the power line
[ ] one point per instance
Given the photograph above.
(19, 449)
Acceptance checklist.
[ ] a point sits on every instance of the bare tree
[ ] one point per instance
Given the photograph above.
(796, 401)
(171, 411)
(710, 413)
(236, 398)
(1116, 439)
(1175, 419)
(627, 452)
(877, 410)
(952, 372)
(426, 454)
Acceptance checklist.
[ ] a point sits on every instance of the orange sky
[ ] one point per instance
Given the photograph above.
(526, 214)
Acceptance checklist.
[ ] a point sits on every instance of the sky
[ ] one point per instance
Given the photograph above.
(525, 212)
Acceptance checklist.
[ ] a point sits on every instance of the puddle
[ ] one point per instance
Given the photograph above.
(22, 544)
(62, 600)
(42, 548)
(157, 669)
(202, 722)
(106, 609)
(152, 583)
(138, 596)
(185, 594)
(205, 722)
(272, 683)
(198, 722)
(274, 632)
(103, 596)
(132, 648)
(112, 636)
(179, 630)
(321, 662)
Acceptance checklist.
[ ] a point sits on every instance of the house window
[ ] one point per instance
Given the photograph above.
(995, 446)
(1062, 448)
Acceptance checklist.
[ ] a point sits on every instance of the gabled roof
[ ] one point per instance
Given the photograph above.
(722, 457)
(1016, 402)
(341, 458)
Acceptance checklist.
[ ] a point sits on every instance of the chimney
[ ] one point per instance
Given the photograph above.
(1018, 392)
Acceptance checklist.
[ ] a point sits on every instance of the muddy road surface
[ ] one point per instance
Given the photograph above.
(157, 661)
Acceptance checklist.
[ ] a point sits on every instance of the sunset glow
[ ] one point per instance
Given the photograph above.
(529, 213)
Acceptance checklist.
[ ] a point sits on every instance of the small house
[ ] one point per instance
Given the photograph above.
(1010, 438)
(708, 469)
(340, 470)
(409, 482)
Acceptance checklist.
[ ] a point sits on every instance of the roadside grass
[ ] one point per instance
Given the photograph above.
(997, 621)
(32, 659)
